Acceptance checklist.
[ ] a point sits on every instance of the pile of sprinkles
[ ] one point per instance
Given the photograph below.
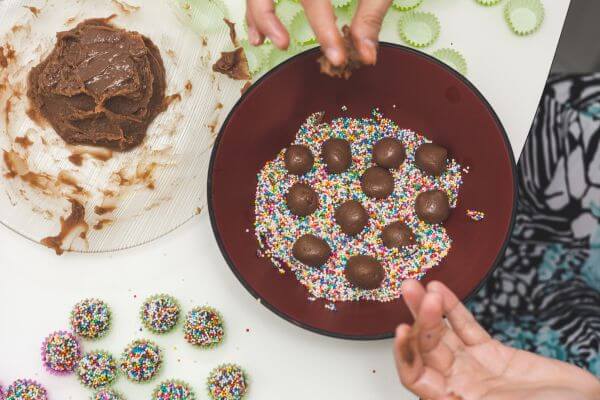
(90, 318)
(60, 352)
(277, 229)
(25, 389)
(227, 382)
(160, 313)
(475, 215)
(97, 369)
(107, 394)
(204, 327)
(141, 361)
(173, 390)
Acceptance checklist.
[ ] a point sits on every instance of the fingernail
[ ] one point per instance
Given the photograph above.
(253, 36)
(371, 50)
(334, 55)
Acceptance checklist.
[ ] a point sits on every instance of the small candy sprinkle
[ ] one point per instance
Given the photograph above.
(90, 318)
(61, 352)
(107, 394)
(25, 389)
(344, 108)
(173, 390)
(97, 369)
(475, 215)
(330, 306)
(204, 327)
(227, 382)
(160, 313)
(141, 360)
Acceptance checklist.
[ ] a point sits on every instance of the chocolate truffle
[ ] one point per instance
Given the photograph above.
(364, 272)
(431, 159)
(302, 200)
(389, 153)
(377, 182)
(352, 217)
(433, 206)
(298, 159)
(337, 155)
(311, 250)
(397, 235)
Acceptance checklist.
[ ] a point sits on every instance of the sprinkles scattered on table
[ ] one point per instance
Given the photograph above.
(60, 353)
(90, 318)
(277, 228)
(141, 361)
(25, 389)
(160, 313)
(475, 215)
(173, 390)
(204, 327)
(227, 382)
(107, 394)
(97, 369)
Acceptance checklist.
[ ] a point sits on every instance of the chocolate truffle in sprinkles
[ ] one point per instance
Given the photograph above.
(160, 313)
(227, 382)
(173, 390)
(141, 361)
(302, 200)
(97, 369)
(61, 353)
(25, 389)
(203, 327)
(311, 250)
(389, 152)
(298, 159)
(337, 155)
(364, 272)
(352, 217)
(433, 206)
(431, 158)
(90, 318)
(377, 183)
(107, 394)
(397, 235)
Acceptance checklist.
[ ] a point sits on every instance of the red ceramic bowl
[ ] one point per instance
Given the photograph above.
(419, 93)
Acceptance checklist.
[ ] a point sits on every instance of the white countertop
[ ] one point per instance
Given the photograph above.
(38, 289)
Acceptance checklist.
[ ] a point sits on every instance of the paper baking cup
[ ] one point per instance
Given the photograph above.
(524, 16)
(453, 58)
(340, 3)
(148, 324)
(300, 30)
(286, 10)
(257, 56)
(160, 394)
(405, 5)
(107, 394)
(213, 382)
(47, 363)
(419, 29)
(488, 2)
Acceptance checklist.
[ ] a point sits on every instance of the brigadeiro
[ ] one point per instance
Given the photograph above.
(377, 182)
(352, 217)
(431, 159)
(433, 206)
(302, 200)
(364, 272)
(397, 235)
(389, 153)
(337, 155)
(311, 250)
(298, 159)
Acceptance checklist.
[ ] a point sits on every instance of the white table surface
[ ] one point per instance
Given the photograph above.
(38, 289)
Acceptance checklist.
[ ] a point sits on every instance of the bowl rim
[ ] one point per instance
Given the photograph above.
(304, 325)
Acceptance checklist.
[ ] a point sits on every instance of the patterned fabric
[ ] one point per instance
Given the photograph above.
(545, 294)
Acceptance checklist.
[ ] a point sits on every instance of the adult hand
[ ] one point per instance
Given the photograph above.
(365, 27)
(437, 360)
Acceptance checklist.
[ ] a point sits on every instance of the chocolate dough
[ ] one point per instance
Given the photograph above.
(352, 63)
(100, 86)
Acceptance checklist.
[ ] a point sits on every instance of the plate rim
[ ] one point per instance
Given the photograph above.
(304, 325)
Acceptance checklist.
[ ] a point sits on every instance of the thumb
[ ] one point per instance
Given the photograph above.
(365, 28)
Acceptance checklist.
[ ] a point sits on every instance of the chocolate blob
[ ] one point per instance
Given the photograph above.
(431, 159)
(389, 153)
(302, 200)
(377, 182)
(397, 235)
(337, 155)
(298, 159)
(433, 206)
(352, 217)
(311, 250)
(364, 272)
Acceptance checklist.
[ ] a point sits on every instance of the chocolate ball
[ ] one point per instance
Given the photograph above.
(433, 206)
(337, 155)
(431, 159)
(364, 272)
(389, 153)
(397, 235)
(311, 250)
(377, 182)
(302, 200)
(352, 217)
(298, 159)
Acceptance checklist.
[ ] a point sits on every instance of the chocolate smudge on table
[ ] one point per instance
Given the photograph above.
(171, 99)
(124, 7)
(66, 178)
(76, 219)
(100, 224)
(98, 153)
(234, 64)
(352, 62)
(76, 159)
(219, 106)
(34, 10)
(204, 41)
(6, 55)
(188, 86)
(232, 34)
(101, 210)
(24, 141)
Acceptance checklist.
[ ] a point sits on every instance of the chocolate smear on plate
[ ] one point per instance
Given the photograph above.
(233, 64)
(75, 220)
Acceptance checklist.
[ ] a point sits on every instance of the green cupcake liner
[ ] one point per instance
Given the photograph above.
(90, 329)
(210, 335)
(488, 3)
(300, 30)
(258, 56)
(132, 366)
(286, 10)
(107, 394)
(453, 58)
(524, 16)
(213, 381)
(148, 325)
(405, 5)
(419, 29)
(340, 3)
(164, 390)
(97, 376)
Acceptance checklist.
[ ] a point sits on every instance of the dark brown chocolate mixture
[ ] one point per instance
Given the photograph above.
(100, 86)
(233, 64)
(75, 220)
(352, 63)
